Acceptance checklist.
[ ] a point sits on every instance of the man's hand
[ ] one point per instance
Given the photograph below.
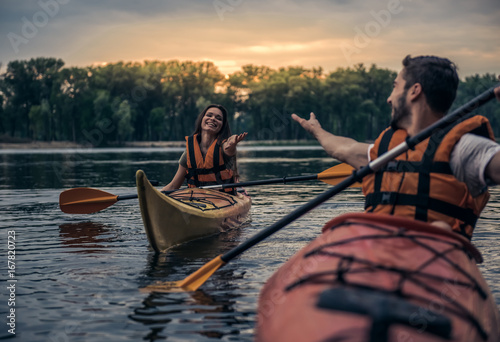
(344, 149)
(312, 125)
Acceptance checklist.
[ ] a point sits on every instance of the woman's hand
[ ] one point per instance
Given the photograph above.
(230, 144)
(177, 180)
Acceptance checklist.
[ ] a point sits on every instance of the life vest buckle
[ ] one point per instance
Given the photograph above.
(392, 166)
(386, 198)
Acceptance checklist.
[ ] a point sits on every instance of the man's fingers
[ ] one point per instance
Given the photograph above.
(497, 92)
(301, 120)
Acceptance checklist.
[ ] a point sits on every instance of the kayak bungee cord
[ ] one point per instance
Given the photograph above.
(205, 202)
(350, 266)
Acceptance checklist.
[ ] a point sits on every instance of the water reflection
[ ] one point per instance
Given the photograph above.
(177, 258)
(117, 167)
(85, 237)
(208, 314)
(178, 316)
(79, 275)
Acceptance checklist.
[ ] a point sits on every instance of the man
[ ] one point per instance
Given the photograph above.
(445, 178)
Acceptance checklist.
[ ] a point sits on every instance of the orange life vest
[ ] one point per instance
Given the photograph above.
(210, 170)
(419, 184)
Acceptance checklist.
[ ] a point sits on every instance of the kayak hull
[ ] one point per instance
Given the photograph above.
(187, 214)
(379, 278)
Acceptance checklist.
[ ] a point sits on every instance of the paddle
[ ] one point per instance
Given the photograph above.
(198, 278)
(330, 176)
(88, 200)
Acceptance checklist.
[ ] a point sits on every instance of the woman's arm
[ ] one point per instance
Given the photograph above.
(177, 180)
(229, 146)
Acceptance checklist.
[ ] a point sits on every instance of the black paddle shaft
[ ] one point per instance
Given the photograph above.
(357, 176)
(126, 197)
(283, 180)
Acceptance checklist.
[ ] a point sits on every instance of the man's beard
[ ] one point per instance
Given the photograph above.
(400, 112)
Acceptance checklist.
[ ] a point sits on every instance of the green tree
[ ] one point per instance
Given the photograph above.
(102, 130)
(40, 118)
(26, 84)
(157, 100)
(73, 104)
(473, 86)
(123, 119)
(157, 123)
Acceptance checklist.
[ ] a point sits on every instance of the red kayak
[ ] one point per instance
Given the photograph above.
(380, 278)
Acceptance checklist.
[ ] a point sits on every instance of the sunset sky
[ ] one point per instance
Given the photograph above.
(274, 33)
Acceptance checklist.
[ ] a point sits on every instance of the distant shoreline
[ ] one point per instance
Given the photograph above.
(40, 145)
(34, 145)
(144, 144)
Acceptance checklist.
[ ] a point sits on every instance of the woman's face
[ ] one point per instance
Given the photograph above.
(212, 120)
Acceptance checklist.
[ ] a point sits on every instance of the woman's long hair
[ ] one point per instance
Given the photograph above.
(225, 131)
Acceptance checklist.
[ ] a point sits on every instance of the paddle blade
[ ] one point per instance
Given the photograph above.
(192, 282)
(85, 200)
(337, 174)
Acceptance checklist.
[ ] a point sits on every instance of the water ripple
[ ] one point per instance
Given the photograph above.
(79, 275)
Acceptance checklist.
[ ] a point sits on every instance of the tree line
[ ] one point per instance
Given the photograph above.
(158, 101)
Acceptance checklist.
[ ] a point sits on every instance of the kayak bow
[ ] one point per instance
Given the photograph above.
(187, 214)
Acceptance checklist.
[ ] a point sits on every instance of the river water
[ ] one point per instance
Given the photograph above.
(78, 277)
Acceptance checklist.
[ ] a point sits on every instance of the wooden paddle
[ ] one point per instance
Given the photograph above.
(88, 200)
(198, 278)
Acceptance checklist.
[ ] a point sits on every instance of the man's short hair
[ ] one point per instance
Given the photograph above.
(437, 76)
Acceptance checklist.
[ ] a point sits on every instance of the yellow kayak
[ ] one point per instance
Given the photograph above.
(187, 214)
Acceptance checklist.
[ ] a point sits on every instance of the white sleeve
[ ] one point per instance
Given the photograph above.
(368, 152)
(469, 159)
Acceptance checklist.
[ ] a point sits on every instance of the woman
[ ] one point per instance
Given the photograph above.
(210, 156)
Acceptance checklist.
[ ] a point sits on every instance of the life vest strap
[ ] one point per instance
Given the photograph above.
(192, 157)
(215, 169)
(208, 171)
(412, 166)
(382, 148)
(202, 183)
(393, 198)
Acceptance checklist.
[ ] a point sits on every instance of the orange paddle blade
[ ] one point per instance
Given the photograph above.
(337, 174)
(85, 200)
(190, 283)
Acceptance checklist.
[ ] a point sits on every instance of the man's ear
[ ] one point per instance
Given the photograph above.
(415, 91)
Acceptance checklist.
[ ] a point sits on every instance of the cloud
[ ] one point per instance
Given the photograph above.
(232, 33)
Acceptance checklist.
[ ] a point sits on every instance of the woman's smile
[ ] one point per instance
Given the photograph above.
(212, 121)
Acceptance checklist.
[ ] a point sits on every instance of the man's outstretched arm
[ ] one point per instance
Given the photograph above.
(345, 149)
